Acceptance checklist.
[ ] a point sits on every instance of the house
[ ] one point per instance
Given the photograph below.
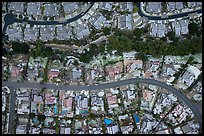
(51, 9)
(68, 103)
(112, 71)
(177, 28)
(186, 128)
(18, 7)
(52, 74)
(23, 105)
(69, 7)
(190, 75)
(178, 130)
(129, 55)
(49, 99)
(38, 99)
(31, 34)
(47, 33)
(76, 73)
(171, 6)
(153, 7)
(63, 33)
(125, 22)
(112, 129)
(15, 34)
(21, 129)
(34, 8)
(106, 6)
(179, 5)
(198, 87)
(184, 26)
(147, 95)
(34, 130)
(14, 72)
(166, 131)
(158, 29)
(67, 131)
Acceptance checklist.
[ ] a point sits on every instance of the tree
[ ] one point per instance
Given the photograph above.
(93, 49)
(171, 35)
(194, 29)
(137, 32)
(41, 117)
(106, 30)
(21, 48)
(4, 52)
(76, 63)
(101, 48)
(141, 56)
(20, 16)
(45, 18)
(48, 51)
(85, 58)
(31, 115)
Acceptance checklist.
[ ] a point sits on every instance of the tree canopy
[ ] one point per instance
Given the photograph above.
(20, 48)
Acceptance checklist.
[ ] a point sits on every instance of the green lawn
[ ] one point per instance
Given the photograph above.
(135, 9)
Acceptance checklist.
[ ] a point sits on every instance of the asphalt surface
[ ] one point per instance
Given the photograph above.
(165, 18)
(171, 89)
(12, 113)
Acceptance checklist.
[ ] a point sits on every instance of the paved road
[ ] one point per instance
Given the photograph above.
(12, 113)
(196, 111)
(142, 14)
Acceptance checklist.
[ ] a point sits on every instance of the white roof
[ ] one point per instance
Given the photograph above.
(67, 130)
(194, 70)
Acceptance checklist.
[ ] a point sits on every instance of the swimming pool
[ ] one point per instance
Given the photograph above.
(108, 121)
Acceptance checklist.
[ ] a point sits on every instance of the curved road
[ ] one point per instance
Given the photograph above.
(140, 12)
(195, 109)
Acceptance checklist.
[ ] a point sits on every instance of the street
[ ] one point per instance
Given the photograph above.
(171, 89)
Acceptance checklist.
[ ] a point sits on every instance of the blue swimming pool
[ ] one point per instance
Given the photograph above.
(55, 109)
(136, 118)
(108, 121)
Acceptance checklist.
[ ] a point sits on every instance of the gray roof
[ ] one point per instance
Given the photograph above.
(63, 33)
(30, 34)
(34, 8)
(46, 34)
(14, 34)
(186, 129)
(76, 73)
(69, 6)
(16, 6)
(171, 6)
(161, 33)
(191, 4)
(179, 5)
(153, 7)
(51, 9)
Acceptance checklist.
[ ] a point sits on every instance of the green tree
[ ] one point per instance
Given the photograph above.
(76, 63)
(137, 32)
(31, 115)
(106, 30)
(48, 51)
(41, 117)
(21, 48)
(171, 36)
(141, 56)
(101, 48)
(194, 29)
